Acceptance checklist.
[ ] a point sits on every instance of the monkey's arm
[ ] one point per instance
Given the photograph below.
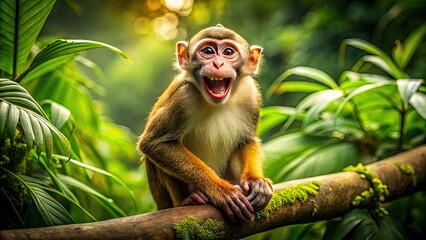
(160, 143)
(257, 188)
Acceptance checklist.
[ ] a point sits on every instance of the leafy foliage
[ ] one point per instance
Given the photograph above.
(371, 111)
(40, 119)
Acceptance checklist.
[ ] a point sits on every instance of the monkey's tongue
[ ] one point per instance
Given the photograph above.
(217, 88)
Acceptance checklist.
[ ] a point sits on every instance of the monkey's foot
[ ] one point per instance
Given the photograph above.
(196, 198)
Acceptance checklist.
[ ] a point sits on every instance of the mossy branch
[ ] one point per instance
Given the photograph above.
(300, 201)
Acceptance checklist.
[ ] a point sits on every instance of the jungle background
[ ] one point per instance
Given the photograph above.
(343, 83)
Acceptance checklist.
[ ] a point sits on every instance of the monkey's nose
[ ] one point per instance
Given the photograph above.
(218, 63)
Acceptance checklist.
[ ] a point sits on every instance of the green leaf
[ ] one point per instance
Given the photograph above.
(362, 89)
(64, 47)
(366, 229)
(20, 24)
(341, 128)
(281, 150)
(107, 202)
(356, 77)
(50, 210)
(322, 102)
(59, 114)
(27, 128)
(53, 177)
(298, 86)
(14, 93)
(418, 101)
(328, 157)
(307, 72)
(338, 230)
(389, 230)
(12, 121)
(42, 183)
(385, 66)
(272, 116)
(381, 59)
(317, 101)
(72, 90)
(46, 67)
(17, 105)
(404, 52)
(100, 171)
(406, 89)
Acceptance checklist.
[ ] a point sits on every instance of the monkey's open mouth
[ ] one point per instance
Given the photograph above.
(217, 87)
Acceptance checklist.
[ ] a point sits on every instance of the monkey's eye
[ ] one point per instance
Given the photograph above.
(228, 52)
(208, 51)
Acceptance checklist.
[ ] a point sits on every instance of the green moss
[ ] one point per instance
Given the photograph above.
(407, 170)
(375, 194)
(290, 195)
(13, 199)
(192, 228)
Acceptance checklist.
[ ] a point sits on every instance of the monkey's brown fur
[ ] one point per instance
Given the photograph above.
(190, 143)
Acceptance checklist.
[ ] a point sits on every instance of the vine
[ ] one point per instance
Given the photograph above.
(375, 194)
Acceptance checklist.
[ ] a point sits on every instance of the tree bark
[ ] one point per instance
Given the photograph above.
(333, 199)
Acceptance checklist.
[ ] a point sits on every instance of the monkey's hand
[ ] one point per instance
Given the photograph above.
(232, 202)
(258, 191)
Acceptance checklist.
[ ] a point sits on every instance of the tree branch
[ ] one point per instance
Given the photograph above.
(333, 199)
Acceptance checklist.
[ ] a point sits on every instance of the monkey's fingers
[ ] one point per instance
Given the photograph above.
(195, 198)
(260, 193)
(245, 188)
(201, 195)
(241, 207)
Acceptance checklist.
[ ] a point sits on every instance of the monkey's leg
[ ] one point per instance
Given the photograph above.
(158, 187)
(177, 189)
(255, 186)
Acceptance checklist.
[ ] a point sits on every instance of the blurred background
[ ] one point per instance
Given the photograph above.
(293, 33)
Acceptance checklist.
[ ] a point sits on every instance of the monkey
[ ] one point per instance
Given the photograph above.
(200, 143)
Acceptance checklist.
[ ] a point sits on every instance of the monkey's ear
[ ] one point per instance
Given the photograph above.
(182, 54)
(255, 58)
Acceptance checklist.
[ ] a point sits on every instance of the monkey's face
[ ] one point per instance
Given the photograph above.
(216, 63)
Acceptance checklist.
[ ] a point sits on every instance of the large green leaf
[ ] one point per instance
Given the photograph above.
(102, 199)
(100, 171)
(321, 103)
(340, 229)
(360, 90)
(20, 24)
(406, 89)
(282, 150)
(325, 158)
(49, 209)
(16, 94)
(403, 53)
(16, 104)
(43, 183)
(65, 47)
(359, 77)
(273, 116)
(315, 102)
(379, 57)
(71, 89)
(311, 73)
(418, 101)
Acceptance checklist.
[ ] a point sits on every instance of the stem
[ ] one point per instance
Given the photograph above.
(15, 41)
(359, 120)
(402, 114)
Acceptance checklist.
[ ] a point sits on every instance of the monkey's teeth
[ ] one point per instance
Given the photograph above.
(216, 78)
